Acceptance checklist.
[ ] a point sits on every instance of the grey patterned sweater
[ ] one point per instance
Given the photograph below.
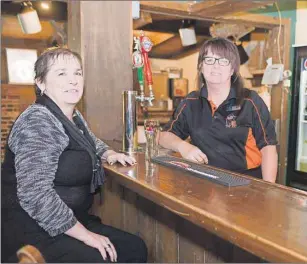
(38, 139)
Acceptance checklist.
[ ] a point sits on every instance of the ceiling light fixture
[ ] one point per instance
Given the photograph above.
(187, 33)
(28, 19)
(45, 5)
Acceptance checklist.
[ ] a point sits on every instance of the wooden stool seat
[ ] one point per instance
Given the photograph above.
(29, 254)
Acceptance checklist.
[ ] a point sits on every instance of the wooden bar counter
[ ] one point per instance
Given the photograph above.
(183, 218)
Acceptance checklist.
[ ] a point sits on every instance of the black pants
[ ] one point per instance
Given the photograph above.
(62, 248)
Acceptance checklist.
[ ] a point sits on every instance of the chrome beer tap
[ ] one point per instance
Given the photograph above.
(140, 59)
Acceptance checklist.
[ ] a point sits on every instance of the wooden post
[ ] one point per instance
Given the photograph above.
(101, 31)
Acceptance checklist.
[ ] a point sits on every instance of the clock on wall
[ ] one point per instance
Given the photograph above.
(20, 65)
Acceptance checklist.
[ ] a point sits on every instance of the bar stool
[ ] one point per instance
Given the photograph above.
(29, 254)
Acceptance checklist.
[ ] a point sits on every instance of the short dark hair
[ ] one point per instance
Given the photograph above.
(226, 49)
(44, 61)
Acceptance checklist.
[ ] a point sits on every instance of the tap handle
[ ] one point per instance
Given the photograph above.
(141, 77)
(146, 46)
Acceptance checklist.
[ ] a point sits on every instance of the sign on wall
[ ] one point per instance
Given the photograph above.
(20, 65)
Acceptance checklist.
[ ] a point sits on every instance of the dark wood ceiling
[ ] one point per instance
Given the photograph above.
(171, 48)
(167, 17)
(160, 20)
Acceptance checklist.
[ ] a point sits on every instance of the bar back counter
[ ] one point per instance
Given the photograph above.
(183, 218)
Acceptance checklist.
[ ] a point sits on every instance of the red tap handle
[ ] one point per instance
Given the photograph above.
(147, 69)
(146, 46)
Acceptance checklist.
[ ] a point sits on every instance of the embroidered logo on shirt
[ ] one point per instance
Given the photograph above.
(231, 121)
(233, 108)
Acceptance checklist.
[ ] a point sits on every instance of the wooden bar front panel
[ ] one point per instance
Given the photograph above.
(169, 237)
(184, 219)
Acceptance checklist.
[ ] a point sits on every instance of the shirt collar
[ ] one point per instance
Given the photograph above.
(232, 94)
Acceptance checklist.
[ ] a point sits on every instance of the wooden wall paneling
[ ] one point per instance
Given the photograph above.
(167, 246)
(197, 245)
(147, 226)
(107, 46)
(190, 243)
(74, 26)
(101, 203)
(222, 250)
(279, 96)
(271, 50)
(111, 206)
(169, 237)
(74, 36)
(286, 43)
(129, 211)
(4, 71)
(276, 93)
(242, 256)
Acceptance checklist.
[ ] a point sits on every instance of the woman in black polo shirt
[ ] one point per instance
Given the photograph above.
(229, 126)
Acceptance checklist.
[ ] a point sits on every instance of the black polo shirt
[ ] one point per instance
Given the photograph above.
(231, 135)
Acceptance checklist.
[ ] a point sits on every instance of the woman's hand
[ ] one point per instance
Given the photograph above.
(192, 153)
(103, 244)
(111, 156)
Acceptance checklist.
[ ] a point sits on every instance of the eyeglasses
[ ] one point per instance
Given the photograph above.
(211, 61)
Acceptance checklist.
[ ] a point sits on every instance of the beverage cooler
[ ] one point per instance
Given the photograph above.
(297, 150)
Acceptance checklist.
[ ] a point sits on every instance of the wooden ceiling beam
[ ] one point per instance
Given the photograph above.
(200, 6)
(158, 17)
(156, 37)
(145, 18)
(261, 21)
(12, 29)
(229, 7)
(213, 11)
(165, 5)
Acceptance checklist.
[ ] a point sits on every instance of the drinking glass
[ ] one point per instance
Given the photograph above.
(151, 129)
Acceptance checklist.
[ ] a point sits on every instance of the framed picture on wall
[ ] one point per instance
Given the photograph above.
(20, 65)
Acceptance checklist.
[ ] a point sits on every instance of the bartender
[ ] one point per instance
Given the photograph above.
(229, 126)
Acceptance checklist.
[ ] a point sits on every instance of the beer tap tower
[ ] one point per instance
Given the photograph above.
(140, 59)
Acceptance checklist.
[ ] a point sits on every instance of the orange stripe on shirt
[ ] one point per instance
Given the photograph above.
(192, 98)
(177, 117)
(263, 130)
(253, 154)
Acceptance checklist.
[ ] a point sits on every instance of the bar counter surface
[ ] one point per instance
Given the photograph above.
(268, 220)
